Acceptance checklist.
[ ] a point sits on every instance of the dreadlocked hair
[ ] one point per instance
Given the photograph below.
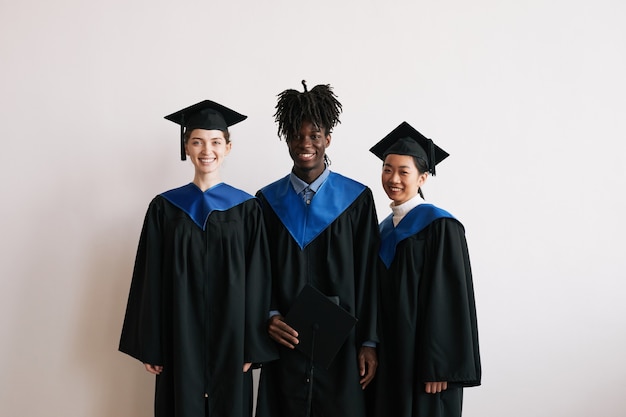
(319, 106)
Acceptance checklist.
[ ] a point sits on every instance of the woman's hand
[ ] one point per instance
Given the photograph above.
(153, 369)
(435, 387)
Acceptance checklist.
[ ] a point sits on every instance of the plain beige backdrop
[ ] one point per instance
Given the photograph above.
(528, 97)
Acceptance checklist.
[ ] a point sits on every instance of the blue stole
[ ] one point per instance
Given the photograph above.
(198, 205)
(414, 222)
(304, 221)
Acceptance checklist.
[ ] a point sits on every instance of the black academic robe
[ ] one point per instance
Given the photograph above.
(199, 298)
(427, 317)
(331, 244)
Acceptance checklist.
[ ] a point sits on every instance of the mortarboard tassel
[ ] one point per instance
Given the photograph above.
(431, 156)
(183, 154)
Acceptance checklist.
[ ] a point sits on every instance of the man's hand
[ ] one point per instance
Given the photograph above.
(281, 332)
(368, 362)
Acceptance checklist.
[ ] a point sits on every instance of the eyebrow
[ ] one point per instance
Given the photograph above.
(401, 166)
(211, 138)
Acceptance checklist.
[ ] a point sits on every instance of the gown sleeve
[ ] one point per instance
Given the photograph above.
(258, 347)
(141, 331)
(367, 243)
(449, 332)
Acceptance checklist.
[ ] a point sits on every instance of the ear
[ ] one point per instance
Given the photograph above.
(422, 179)
(229, 146)
(328, 138)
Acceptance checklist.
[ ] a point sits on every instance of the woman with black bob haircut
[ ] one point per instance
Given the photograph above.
(427, 318)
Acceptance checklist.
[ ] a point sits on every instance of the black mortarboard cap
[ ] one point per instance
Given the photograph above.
(207, 115)
(322, 325)
(405, 140)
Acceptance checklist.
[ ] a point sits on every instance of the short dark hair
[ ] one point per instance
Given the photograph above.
(420, 164)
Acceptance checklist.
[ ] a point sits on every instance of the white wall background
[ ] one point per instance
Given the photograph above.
(529, 98)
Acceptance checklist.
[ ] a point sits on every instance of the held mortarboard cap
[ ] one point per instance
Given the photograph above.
(207, 115)
(405, 140)
(322, 325)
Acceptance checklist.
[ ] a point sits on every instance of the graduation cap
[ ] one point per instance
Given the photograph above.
(405, 140)
(322, 325)
(207, 115)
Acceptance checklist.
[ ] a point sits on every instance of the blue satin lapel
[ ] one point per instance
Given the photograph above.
(198, 205)
(414, 222)
(305, 222)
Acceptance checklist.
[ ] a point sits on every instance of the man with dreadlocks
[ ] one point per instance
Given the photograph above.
(322, 231)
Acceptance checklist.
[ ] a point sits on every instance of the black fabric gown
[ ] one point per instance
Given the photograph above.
(427, 322)
(339, 259)
(198, 301)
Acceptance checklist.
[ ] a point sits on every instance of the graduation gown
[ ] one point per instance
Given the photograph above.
(198, 300)
(427, 316)
(332, 244)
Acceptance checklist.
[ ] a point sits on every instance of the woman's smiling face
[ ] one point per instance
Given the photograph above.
(400, 178)
(207, 150)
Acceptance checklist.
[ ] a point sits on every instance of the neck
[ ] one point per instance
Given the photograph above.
(204, 182)
(396, 203)
(308, 176)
